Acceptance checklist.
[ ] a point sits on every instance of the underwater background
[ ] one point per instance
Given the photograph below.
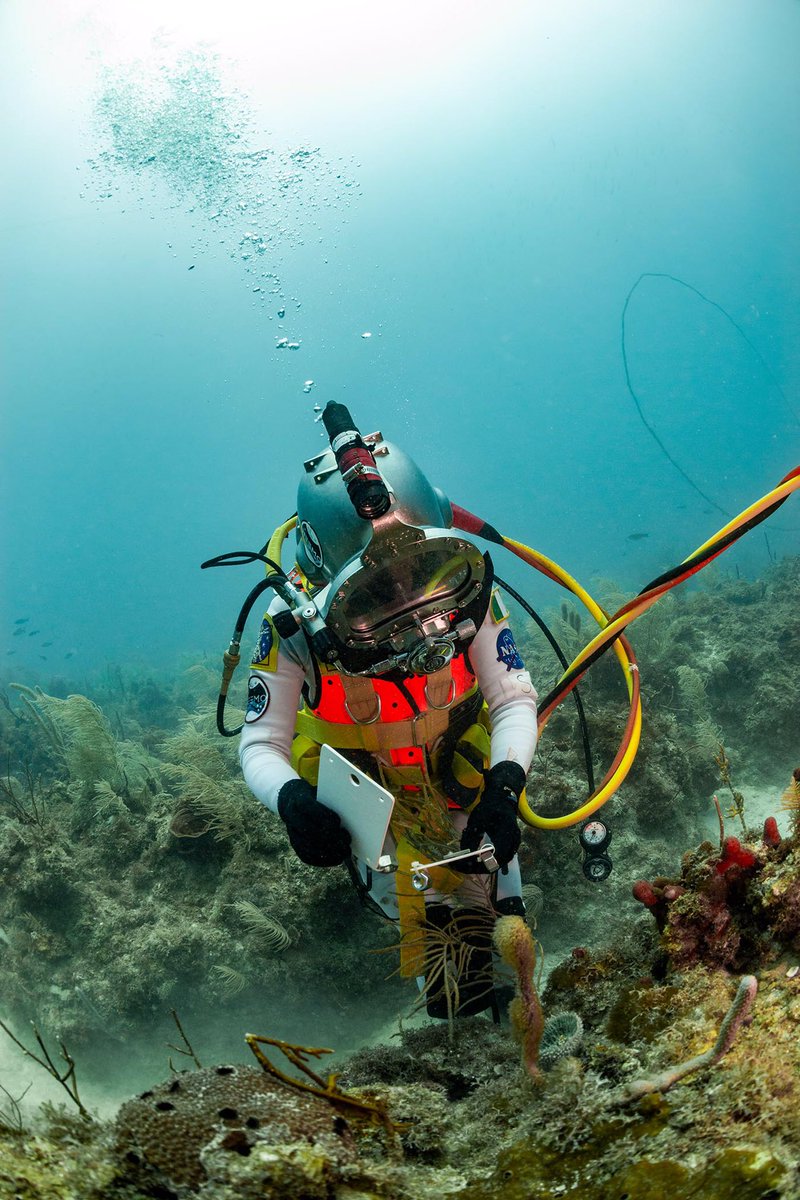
(551, 251)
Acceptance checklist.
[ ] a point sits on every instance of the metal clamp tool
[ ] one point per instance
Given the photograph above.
(420, 879)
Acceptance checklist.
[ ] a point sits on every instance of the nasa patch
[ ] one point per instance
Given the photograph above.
(311, 543)
(257, 700)
(265, 652)
(507, 651)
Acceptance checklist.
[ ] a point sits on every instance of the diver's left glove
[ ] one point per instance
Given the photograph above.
(316, 833)
(495, 814)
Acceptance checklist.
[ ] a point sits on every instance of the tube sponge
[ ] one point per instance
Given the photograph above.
(514, 943)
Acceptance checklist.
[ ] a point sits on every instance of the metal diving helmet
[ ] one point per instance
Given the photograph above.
(391, 585)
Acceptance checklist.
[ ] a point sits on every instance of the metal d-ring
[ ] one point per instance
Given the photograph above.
(451, 695)
(355, 719)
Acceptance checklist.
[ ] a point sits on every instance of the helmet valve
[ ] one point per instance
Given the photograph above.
(304, 614)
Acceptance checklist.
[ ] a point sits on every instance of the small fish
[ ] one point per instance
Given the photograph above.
(637, 537)
(18, 632)
(44, 656)
(191, 268)
(21, 620)
(11, 652)
(34, 632)
(46, 644)
(69, 654)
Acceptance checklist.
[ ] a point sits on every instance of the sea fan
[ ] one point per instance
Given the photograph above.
(219, 806)
(77, 730)
(267, 929)
(233, 981)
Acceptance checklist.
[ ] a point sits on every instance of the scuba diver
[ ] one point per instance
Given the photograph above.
(388, 649)
(388, 642)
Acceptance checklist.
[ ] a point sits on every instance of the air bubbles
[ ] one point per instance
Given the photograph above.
(281, 313)
(307, 386)
(317, 413)
(366, 334)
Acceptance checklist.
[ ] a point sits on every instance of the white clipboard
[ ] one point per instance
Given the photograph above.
(364, 807)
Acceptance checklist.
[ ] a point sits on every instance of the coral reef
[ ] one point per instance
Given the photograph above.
(137, 875)
(133, 880)
(162, 1137)
(735, 907)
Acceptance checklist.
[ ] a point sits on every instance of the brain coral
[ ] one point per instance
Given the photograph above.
(160, 1136)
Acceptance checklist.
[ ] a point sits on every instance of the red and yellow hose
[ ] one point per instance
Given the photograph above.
(612, 634)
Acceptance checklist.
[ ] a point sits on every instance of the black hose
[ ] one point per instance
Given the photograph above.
(241, 621)
(587, 749)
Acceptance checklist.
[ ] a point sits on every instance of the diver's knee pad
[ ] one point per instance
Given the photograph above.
(459, 977)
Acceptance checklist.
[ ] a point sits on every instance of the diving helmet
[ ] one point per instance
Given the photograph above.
(397, 590)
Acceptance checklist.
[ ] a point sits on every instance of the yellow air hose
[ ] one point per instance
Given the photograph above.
(275, 543)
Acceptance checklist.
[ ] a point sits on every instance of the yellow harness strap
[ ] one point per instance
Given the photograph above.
(305, 758)
(411, 904)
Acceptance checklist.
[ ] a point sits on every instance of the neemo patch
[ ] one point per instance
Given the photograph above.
(265, 653)
(257, 699)
(507, 651)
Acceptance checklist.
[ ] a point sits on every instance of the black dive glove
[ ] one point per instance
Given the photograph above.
(316, 833)
(495, 814)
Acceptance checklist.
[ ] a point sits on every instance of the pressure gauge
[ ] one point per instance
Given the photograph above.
(594, 837)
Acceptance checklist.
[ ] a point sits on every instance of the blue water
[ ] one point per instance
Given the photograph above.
(478, 187)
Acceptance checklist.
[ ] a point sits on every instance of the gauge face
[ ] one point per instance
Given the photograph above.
(594, 834)
(597, 869)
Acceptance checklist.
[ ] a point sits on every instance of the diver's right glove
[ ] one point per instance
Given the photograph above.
(495, 814)
(317, 835)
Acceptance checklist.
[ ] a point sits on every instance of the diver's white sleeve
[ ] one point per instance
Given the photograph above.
(266, 740)
(508, 691)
